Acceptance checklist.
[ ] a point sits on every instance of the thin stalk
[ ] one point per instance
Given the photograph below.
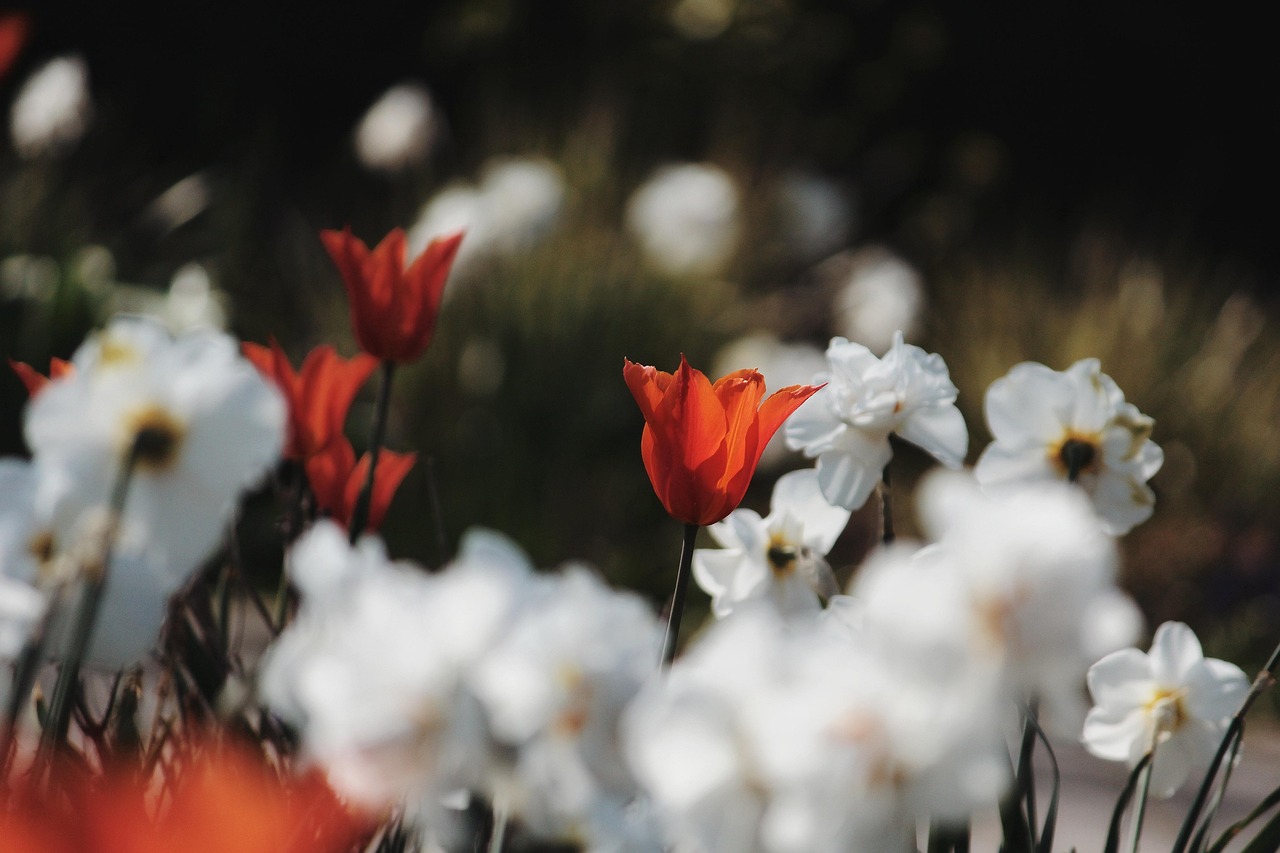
(24, 678)
(1144, 790)
(886, 509)
(498, 836)
(91, 586)
(672, 635)
(1265, 679)
(295, 493)
(382, 407)
(1026, 777)
(437, 512)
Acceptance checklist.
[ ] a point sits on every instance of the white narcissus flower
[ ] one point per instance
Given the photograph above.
(778, 558)
(847, 424)
(205, 426)
(372, 669)
(1172, 699)
(1034, 577)
(1074, 424)
(554, 687)
(777, 739)
(53, 108)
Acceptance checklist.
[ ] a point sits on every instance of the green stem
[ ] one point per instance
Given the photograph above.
(1265, 679)
(672, 635)
(886, 509)
(1144, 791)
(92, 583)
(360, 514)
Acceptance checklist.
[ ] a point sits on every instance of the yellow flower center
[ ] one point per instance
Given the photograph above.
(1165, 707)
(1076, 453)
(782, 555)
(154, 437)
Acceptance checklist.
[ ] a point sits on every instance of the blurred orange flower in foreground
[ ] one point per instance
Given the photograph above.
(229, 802)
(702, 442)
(393, 308)
(319, 395)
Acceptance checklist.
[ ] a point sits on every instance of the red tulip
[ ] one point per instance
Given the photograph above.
(393, 308)
(702, 442)
(34, 379)
(319, 395)
(228, 802)
(336, 479)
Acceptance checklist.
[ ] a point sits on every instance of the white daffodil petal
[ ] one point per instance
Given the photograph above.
(1028, 405)
(1117, 681)
(1216, 689)
(800, 494)
(1175, 651)
(939, 430)
(1111, 733)
(847, 478)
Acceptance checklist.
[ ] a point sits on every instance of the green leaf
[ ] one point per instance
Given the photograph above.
(1122, 803)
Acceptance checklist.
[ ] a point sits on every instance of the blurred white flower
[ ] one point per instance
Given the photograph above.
(769, 739)
(847, 424)
(21, 604)
(686, 219)
(371, 670)
(779, 558)
(1173, 700)
(398, 130)
(193, 301)
(816, 218)
(1075, 424)
(202, 424)
(53, 108)
(517, 204)
(881, 294)
(1034, 577)
(554, 688)
(35, 565)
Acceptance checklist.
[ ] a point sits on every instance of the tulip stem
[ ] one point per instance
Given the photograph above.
(360, 514)
(886, 509)
(92, 582)
(672, 635)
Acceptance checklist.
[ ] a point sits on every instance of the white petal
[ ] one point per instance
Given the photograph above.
(1030, 405)
(1175, 651)
(799, 493)
(1121, 502)
(814, 427)
(1121, 680)
(742, 529)
(1215, 690)
(1112, 735)
(1172, 763)
(1000, 465)
(727, 576)
(941, 431)
(848, 476)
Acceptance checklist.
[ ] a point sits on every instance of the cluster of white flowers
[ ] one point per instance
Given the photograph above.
(484, 677)
(184, 425)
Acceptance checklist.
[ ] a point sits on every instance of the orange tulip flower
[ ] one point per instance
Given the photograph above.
(336, 479)
(34, 380)
(230, 802)
(319, 395)
(393, 308)
(702, 442)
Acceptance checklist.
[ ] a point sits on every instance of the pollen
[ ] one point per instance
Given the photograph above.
(42, 546)
(782, 555)
(117, 353)
(154, 436)
(1076, 453)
